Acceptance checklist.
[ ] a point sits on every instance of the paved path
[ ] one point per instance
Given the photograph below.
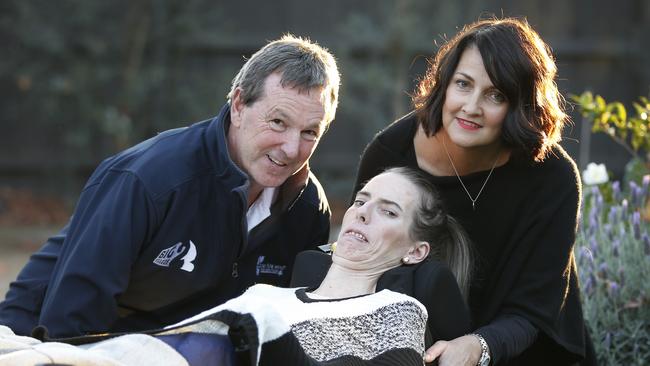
(16, 245)
(10, 264)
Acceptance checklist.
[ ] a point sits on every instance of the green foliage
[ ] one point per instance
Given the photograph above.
(613, 257)
(103, 75)
(379, 55)
(632, 132)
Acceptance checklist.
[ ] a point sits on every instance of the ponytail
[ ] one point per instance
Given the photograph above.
(458, 254)
(447, 240)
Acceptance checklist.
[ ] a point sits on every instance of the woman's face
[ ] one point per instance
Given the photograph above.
(375, 231)
(474, 109)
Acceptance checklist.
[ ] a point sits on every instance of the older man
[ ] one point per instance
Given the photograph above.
(193, 216)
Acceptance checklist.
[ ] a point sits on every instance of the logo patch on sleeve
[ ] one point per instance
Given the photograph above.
(166, 256)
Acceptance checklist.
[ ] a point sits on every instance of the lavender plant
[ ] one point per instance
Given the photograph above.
(613, 256)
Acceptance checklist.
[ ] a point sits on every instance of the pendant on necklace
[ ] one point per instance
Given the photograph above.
(472, 199)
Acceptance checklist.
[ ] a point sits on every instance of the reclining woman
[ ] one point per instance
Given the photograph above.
(396, 220)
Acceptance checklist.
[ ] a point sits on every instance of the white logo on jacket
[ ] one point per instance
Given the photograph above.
(268, 268)
(166, 256)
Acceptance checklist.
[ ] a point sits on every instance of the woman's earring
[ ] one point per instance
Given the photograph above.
(406, 260)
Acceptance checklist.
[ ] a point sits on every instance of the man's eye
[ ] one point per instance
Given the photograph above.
(310, 135)
(389, 213)
(358, 203)
(277, 124)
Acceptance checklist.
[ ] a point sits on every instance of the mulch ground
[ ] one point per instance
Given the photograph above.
(27, 219)
(21, 207)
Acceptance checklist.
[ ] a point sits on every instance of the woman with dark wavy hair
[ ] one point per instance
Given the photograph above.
(485, 129)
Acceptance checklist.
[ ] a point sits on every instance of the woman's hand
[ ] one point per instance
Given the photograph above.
(465, 350)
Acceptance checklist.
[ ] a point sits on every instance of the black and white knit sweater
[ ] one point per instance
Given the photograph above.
(286, 326)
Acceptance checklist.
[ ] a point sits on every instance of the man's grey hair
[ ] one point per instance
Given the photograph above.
(303, 64)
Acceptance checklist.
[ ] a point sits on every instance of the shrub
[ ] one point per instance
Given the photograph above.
(629, 130)
(613, 257)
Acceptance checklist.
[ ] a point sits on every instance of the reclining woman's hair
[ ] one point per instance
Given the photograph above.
(448, 241)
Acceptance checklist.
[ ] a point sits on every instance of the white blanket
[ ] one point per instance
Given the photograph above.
(132, 349)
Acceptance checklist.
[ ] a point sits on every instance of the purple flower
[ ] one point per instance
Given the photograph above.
(646, 243)
(621, 276)
(615, 247)
(622, 231)
(608, 231)
(624, 206)
(593, 222)
(589, 285)
(602, 270)
(637, 194)
(613, 289)
(599, 203)
(595, 191)
(607, 342)
(585, 253)
(616, 191)
(645, 184)
(633, 190)
(580, 255)
(612, 216)
(593, 245)
(636, 224)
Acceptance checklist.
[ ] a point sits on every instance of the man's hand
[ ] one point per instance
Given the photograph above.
(465, 351)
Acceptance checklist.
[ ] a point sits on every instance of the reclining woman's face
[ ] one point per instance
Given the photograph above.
(375, 231)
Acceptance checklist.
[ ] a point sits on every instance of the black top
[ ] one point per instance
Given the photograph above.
(523, 229)
(430, 282)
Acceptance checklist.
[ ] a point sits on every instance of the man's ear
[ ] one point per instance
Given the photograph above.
(419, 252)
(236, 107)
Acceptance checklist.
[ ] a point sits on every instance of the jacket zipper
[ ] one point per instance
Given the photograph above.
(235, 271)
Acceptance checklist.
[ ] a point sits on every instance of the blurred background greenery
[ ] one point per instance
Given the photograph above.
(81, 80)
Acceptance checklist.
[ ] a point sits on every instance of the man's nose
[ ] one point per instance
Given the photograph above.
(291, 145)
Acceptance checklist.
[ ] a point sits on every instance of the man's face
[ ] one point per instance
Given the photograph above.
(273, 138)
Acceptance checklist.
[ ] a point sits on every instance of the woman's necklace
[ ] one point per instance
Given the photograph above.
(461, 181)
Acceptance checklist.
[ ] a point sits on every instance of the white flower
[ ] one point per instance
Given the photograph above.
(595, 174)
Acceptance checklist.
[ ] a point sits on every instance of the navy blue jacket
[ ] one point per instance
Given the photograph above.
(160, 234)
